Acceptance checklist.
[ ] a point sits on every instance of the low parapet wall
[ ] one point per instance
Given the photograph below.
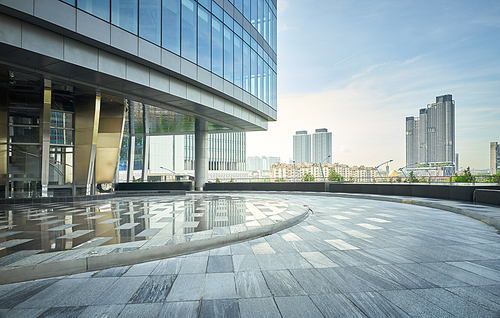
(460, 192)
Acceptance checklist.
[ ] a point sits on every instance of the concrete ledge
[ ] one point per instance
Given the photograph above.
(486, 196)
(98, 262)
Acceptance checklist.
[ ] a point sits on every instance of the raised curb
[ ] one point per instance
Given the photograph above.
(99, 262)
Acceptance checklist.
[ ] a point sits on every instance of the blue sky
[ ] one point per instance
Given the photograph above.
(358, 68)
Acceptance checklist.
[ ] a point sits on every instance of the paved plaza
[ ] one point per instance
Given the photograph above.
(350, 258)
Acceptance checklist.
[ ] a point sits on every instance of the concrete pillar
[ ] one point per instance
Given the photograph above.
(200, 153)
(145, 144)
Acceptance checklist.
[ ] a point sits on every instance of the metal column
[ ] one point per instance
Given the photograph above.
(45, 135)
(200, 153)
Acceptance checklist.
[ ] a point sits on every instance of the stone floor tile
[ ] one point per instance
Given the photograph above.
(269, 262)
(282, 283)
(219, 286)
(246, 262)
(258, 307)
(220, 264)
(169, 266)
(121, 291)
(141, 310)
(180, 309)
(297, 306)
(251, 284)
(24, 312)
(414, 305)
(336, 306)
(374, 305)
(318, 260)
(23, 292)
(63, 312)
(294, 260)
(50, 296)
(187, 287)
(154, 289)
(453, 303)
(107, 311)
(219, 308)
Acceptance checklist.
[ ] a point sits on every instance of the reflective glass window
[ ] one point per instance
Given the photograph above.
(217, 11)
(124, 14)
(246, 37)
(204, 39)
(150, 20)
(260, 78)
(228, 20)
(253, 73)
(246, 9)
(254, 13)
(239, 5)
(238, 30)
(267, 12)
(266, 83)
(246, 67)
(260, 15)
(228, 54)
(188, 30)
(217, 47)
(171, 26)
(206, 3)
(98, 8)
(238, 61)
(254, 44)
(72, 2)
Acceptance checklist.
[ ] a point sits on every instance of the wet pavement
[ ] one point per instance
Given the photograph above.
(352, 258)
(42, 233)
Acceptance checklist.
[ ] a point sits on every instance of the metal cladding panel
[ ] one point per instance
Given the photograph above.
(85, 122)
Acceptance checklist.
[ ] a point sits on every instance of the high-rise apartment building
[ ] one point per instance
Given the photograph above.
(70, 68)
(322, 146)
(301, 147)
(494, 157)
(430, 139)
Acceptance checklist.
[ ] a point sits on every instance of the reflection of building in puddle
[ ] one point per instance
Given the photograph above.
(208, 213)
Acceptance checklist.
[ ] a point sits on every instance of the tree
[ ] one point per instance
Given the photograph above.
(334, 176)
(466, 176)
(217, 180)
(308, 177)
(412, 178)
(494, 177)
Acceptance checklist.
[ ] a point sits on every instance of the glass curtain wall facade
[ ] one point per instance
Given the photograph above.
(205, 34)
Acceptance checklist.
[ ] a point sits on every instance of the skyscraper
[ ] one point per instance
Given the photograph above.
(412, 144)
(430, 139)
(494, 157)
(322, 146)
(301, 147)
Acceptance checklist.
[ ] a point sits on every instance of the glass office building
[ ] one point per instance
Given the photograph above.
(70, 70)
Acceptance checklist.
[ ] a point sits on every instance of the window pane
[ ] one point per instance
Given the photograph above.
(171, 26)
(238, 61)
(260, 15)
(98, 8)
(217, 11)
(204, 39)
(246, 67)
(260, 79)
(228, 20)
(206, 3)
(246, 9)
(238, 30)
(253, 70)
(124, 14)
(239, 5)
(150, 20)
(72, 2)
(217, 47)
(228, 54)
(188, 30)
(266, 83)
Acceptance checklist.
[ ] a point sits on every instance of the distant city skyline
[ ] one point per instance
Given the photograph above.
(359, 67)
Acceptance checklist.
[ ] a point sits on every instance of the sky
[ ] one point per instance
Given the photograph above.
(359, 68)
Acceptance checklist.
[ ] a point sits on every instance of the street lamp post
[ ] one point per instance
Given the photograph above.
(322, 173)
(173, 172)
(376, 168)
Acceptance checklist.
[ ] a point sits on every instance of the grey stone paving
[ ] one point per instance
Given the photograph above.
(351, 258)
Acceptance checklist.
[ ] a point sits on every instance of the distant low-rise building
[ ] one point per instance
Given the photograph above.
(297, 172)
